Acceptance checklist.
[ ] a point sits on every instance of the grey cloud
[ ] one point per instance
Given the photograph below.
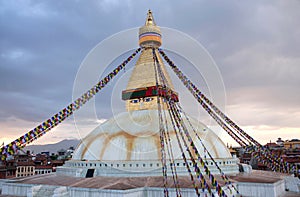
(255, 45)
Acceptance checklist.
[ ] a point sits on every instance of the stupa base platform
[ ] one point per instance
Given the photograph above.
(93, 168)
(61, 186)
(256, 183)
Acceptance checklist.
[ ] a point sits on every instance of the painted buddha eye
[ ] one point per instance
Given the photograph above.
(148, 99)
(134, 101)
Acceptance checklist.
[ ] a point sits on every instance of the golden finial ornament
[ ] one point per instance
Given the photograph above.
(149, 34)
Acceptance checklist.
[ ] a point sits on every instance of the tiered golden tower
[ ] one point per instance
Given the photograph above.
(141, 92)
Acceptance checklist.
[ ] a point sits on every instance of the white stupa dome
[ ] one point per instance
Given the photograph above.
(135, 136)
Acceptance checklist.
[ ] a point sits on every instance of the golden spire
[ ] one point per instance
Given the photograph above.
(149, 20)
(149, 34)
(141, 91)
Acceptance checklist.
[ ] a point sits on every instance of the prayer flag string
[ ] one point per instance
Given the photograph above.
(213, 180)
(160, 77)
(187, 83)
(43, 128)
(170, 154)
(223, 175)
(183, 130)
(275, 162)
(161, 133)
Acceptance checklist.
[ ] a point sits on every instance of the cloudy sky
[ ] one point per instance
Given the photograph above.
(255, 45)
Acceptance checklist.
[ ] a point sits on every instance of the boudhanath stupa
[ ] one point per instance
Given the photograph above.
(129, 143)
(123, 157)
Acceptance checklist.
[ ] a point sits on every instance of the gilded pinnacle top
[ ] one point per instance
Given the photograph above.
(149, 34)
(149, 20)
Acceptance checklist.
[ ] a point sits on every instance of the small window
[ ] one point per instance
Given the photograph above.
(123, 164)
(144, 165)
(157, 164)
(177, 164)
(100, 164)
(117, 165)
(130, 165)
(105, 165)
(151, 164)
(137, 165)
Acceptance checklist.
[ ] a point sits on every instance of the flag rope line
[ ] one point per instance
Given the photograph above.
(223, 175)
(171, 156)
(161, 135)
(44, 127)
(180, 124)
(276, 162)
(192, 88)
(158, 76)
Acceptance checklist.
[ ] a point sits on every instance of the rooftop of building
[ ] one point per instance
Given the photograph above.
(25, 163)
(271, 144)
(43, 167)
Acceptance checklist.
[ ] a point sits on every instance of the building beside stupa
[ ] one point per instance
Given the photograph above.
(122, 156)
